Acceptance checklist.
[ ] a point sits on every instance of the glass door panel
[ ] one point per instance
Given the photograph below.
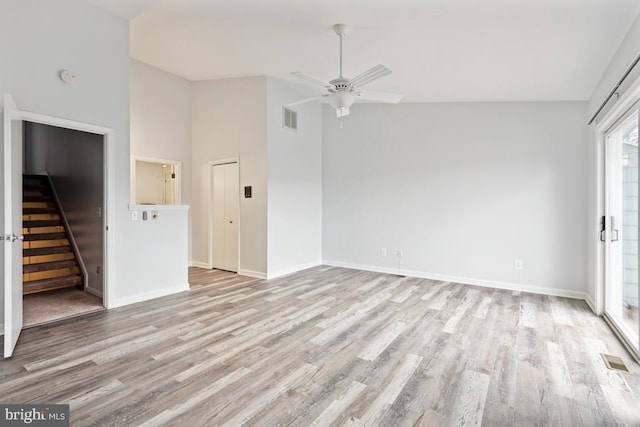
(621, 219)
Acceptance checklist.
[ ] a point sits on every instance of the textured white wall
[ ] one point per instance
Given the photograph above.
(462, 189)
(295, 182)
(229, 120)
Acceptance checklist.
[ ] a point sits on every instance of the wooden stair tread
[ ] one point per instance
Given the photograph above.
(32, 211)
(52, 265)
(44, 236)
(35, 198)
(44, 228)
(41, 223)
(49, 250)
(51, 284)
(35, 186)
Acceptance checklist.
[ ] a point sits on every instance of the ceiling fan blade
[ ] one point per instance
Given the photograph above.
(368, 95)
(314, 80)
(320, 98)
(370, 75)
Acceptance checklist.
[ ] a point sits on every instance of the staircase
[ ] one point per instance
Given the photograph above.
(50, 258)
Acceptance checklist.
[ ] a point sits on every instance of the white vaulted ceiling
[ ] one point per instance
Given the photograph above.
(439, 50)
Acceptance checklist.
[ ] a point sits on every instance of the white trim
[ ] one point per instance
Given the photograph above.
(464, 280)
(615, 327)
(109, 184)
(156, 293)
(209, 188)
(199, 264)
(178, 169)
(94, 292)
(590, 302)
(295, 269)
(625, 102)
(158, 207)
(250, 273)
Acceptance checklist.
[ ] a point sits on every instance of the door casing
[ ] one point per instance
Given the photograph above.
(109, 183)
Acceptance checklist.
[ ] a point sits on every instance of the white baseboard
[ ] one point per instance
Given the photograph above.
(145, 296)
(590, 303)
(198, 264)
(94, 292)
(465, 280)
(250, 273)
(295, 269)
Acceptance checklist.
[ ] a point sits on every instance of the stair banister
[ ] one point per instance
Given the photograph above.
(72, 240)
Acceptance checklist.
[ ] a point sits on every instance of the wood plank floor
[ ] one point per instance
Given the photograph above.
(329, 346)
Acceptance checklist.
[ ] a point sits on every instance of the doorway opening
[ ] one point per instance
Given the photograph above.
(63, 223)
(155, 181)
(224, 208)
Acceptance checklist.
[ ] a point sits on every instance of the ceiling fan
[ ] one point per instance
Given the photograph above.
(342, 91)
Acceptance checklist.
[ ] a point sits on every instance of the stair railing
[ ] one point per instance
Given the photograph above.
(67, 230)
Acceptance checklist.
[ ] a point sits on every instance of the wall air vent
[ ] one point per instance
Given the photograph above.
(289, 119)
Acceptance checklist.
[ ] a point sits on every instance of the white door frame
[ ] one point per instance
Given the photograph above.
(209, 187)
(109, 185)
(625, 102)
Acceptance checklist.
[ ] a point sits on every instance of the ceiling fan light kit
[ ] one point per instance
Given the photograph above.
(343, 92)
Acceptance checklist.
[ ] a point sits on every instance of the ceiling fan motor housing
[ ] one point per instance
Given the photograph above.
(340, 84)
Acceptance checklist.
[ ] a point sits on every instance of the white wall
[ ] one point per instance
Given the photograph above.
(628, 50)
(160, 105)
(620, 61)
(162, 262)
(295, 182)
(229, 120)
(161, 118)
(462, 189)
(149, 183)
(37, 40)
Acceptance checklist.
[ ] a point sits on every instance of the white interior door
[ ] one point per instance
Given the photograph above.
(621, 233)
(231, 199)
(12, 235)
(226, 193)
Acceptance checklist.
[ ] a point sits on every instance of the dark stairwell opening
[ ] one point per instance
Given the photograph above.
(63, 196)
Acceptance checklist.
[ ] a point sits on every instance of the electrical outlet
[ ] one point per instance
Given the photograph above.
(399, 253)
(517, 264)
(383, 252)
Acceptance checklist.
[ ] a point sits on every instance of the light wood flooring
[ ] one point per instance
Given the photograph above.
(329, 346)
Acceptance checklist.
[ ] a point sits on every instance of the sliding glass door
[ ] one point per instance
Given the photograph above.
(620, 228)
